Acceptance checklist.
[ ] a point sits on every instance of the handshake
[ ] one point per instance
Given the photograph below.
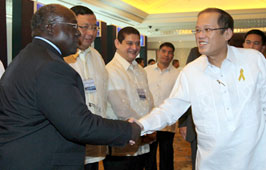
(137, 127)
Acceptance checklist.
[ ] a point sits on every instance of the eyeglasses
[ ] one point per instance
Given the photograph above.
(88, 27)
(75, 26)
(206, 30)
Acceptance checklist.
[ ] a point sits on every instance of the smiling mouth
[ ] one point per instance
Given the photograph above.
(133, 52)
(202, 43)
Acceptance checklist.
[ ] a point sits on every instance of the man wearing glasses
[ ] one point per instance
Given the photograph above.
(226, 88)
(91, 68)
(44, 120)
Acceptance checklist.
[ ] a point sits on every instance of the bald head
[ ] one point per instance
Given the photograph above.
(57, 24)
(48, 14)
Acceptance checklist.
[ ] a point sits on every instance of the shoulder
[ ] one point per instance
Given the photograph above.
(56, 67)
(70, 59)
(149, 67)
(143, 72)
(110, 66)
(175, 71)
(114, 70)
(244, 52)
(197, 63)
(97, 56)
(95, 52)
(248, 56)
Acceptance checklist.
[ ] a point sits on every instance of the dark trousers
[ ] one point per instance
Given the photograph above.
(166, 151)
(193, 153)
(124, 162)
(92, 166)
(151, 161)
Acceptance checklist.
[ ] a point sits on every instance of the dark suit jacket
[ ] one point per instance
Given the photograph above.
(44, 121)
(186, 120)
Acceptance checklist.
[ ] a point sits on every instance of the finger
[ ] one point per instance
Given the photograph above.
(131, 142)
(131, 120)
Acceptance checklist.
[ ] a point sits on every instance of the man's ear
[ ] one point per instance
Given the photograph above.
(263, 48)
(117, 43)
(228, 33)
(49, 29)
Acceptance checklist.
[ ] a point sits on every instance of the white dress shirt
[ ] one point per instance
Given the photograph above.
(91, 68)
(161, 83)
(2, 69)
(228, 109)
(129, 96)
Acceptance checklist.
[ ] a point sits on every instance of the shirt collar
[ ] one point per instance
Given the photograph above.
(166, 69)
(125, 64)
(83, 53)
(229, 57)
(49, 42)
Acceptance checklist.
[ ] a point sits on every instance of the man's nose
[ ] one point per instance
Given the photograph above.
(134, 46)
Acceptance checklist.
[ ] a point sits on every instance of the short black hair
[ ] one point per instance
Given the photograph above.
(41, 17)
(175, 60)
(167, 44)
(126, 31)
(151, 60)
(139, 60)
(225, 20)
(47, 14)
(257, 32)
(81, 10)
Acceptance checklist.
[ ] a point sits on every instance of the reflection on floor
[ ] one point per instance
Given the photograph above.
(182, 160)
(182, 152)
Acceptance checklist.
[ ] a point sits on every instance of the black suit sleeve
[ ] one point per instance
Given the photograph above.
(61, 100)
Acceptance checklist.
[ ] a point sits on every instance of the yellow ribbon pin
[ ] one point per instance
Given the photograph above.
(241, 75)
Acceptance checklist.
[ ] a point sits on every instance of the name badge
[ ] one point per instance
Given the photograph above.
(141, 94)
(89, 86)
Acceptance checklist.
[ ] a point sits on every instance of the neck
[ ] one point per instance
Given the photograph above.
(83, 48)
(218, 59)
(127, 59)
(162, 66)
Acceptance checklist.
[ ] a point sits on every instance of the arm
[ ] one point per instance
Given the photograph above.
(172, 108)
(60, 98)
(262, 82)
(183, 120)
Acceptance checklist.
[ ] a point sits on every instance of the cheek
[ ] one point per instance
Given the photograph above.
(95, 34)
(257, 47)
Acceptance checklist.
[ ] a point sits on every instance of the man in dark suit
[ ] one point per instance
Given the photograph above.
(44, 121)
(186, 125)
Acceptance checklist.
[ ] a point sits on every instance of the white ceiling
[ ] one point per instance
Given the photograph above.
(174, 27)
(161, 25)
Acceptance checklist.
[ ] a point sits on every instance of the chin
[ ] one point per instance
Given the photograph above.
(202, 51)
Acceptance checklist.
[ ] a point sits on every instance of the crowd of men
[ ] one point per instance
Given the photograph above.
(62, 108)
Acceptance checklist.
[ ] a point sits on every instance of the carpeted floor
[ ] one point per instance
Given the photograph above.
(182, 160)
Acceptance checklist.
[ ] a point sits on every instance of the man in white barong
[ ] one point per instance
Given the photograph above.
(226, 89)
